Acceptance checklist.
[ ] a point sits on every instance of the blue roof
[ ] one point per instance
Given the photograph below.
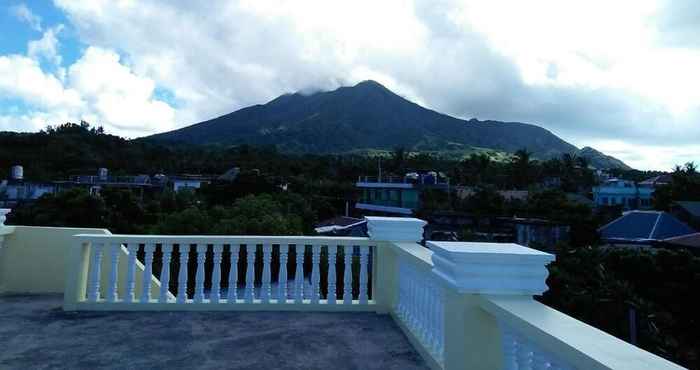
(645, 225)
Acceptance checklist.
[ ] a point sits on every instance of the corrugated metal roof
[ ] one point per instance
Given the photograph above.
(645, 225)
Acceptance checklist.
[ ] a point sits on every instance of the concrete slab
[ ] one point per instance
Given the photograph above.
(35, 333)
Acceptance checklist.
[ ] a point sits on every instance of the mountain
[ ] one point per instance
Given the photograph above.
(363, 117)
(601, 160)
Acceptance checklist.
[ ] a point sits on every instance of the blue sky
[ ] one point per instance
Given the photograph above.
(618, 76)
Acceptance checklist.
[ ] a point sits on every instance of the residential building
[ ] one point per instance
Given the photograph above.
(16, 189)
(688, 212)
(623, 193)
(397, 195)
(537, 232)
(643, 228)
(188, 182)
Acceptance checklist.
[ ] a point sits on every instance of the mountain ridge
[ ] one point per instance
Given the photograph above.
(364, 116)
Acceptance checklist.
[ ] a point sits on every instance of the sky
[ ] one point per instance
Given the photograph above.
(620, 76)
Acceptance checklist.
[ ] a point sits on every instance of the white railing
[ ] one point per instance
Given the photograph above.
(420, 305)
(232, 270)
(519, 353)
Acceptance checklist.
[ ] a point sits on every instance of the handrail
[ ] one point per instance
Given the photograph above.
(566, 339)
(239, 239)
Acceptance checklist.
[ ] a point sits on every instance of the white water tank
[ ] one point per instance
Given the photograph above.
(102, 173)
(17, 173)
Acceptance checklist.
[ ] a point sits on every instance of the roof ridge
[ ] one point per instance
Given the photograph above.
(653, 229)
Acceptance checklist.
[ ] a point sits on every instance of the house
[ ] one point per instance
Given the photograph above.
(657, 181)
(185, 182)
(624, 193)
(342, 226)
(688, 212)
(16, 189)
(397, 195)
(643, 229)
(537, 232)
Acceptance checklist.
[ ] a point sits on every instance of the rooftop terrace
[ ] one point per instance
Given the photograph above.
(383, 301)
(35, 332)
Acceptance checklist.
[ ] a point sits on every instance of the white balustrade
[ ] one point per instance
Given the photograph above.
(519, 353)
(199, 276)
(250, 273)
(233, 274)
(282, 277)
(184, 250)
(94, 280)
(315, 273)
(299, 274)
(131, 273)
(420, 305)
(347, 275)
(331, 295)
(147, 273)
(112, 293)
(356, 256)
(215, 295)
(165, 272)
(267, 274)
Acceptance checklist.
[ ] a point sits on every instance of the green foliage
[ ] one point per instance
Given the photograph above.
(600, 286)
(72, 208)
(685, 185)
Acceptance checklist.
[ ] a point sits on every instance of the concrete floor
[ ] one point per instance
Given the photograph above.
(36, 334)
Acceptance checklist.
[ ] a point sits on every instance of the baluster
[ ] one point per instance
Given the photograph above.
(182, 274)
(94, 280)
(199, 276)
(282, 277)
(131, 273)
(557, 365)
(148, 249)
(299, 274)
(430, 316)
(539, 360)
(233, 274)
(215, 293)
(347, 275)
(250, 273)
(331, 296)
(267, 273)
(421, 309)
(165, 273)
(441, 322)
(112, 293)
(363, 286)
(315, 273)
(509, 349)
(523, 355)
(401, 304)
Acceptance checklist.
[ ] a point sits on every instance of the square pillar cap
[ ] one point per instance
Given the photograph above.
(395, 229)
(491, 268)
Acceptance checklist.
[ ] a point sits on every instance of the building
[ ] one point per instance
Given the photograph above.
(623, 193)
(16, 189)
(643, 229)
(397, 195)
(537, 232)
(688, 212)
(188, 182)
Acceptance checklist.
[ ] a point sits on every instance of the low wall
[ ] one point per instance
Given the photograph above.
(33, 260)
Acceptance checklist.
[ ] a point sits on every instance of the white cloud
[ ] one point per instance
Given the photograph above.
(591, 71)
(47, 46)
(98, 89)
(23, 13)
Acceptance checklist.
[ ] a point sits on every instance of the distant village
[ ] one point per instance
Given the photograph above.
(638, 226)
